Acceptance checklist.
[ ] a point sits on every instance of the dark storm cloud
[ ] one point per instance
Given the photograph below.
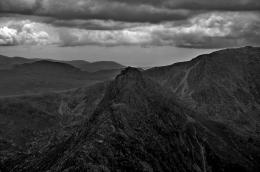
(20, 6)
(93, 9)
(94, 24)
(227, 5)
(124, 10)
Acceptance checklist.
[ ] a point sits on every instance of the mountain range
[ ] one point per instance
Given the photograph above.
(30, 76)
(10, 62)
(195, 116)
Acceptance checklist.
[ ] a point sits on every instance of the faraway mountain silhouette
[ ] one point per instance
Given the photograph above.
(29, 76)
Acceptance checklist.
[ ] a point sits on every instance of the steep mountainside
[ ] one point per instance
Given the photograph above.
(224, 86)
(139, 126)
(44, 76)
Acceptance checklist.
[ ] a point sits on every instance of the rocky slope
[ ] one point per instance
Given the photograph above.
(224, 86)
(139, 126)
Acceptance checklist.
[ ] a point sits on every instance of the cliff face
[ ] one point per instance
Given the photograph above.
(140, 126)
(223, 86)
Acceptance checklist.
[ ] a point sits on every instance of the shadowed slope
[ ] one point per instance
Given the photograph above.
(223, 85)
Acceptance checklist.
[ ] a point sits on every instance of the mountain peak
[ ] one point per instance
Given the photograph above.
(128, 80)
(130, 72)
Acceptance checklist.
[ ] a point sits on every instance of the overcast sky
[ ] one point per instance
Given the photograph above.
(132, 32)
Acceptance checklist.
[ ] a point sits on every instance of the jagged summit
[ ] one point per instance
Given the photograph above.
(130, 72)
(129, 77)
(127, 84)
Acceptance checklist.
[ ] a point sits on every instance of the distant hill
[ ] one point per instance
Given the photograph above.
(95, 66)
(46, 66)
(45, 76)
(10, 62)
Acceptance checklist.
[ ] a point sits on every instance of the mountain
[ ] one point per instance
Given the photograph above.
(45, 76)
(78, 63)
(140, 126)
(10, 62)
(47, 66)
(185, 117)
(95, 66)
(224, 86)
(21, 76)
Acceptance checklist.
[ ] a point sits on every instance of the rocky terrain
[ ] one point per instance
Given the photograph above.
(196, 116)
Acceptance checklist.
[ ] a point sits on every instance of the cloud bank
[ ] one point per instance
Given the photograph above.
(180, 23)
(203, 31)
(23, 32)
